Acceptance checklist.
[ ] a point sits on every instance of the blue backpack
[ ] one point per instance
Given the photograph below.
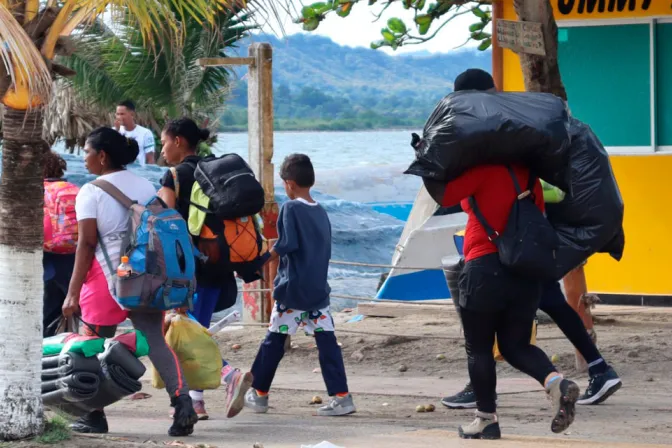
(160, 253)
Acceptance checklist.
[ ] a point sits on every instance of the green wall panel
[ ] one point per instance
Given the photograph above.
(664, 83)
(606, 71)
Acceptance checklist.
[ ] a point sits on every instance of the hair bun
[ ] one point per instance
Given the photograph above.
(204, 134)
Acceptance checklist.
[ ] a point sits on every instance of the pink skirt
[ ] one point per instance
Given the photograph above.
(97, 304)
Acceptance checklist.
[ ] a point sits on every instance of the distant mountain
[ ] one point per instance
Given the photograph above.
(322, 85)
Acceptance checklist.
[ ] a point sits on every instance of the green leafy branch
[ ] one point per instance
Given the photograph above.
(426, 17)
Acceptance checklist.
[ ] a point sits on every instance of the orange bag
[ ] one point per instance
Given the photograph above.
(241, 241)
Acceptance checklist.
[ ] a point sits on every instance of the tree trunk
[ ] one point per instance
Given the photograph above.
(542, 74)
(21, 233)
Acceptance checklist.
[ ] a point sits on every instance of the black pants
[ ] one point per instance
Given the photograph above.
(57, 272)
(494, 302)
(554, 304)
(272, 351)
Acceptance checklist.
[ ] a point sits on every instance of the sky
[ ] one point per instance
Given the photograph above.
(359, 29)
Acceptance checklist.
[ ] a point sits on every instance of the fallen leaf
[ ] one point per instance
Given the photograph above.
(140, 396)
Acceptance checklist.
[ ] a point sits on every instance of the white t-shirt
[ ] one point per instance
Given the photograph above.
(145, 139)
(111, 217)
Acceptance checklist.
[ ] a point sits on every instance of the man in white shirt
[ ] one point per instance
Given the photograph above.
(125, 124)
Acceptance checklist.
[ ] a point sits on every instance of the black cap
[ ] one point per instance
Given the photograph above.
(474, 79)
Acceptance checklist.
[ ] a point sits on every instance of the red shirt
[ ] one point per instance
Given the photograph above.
(493, 189)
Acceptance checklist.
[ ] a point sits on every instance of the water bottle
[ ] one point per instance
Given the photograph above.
(124, 270)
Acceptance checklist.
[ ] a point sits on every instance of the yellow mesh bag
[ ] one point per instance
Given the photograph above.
(198, 353)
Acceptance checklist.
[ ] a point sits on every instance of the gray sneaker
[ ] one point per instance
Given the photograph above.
(485, 426)
(255, 402)
(564, 394)
(338, 406)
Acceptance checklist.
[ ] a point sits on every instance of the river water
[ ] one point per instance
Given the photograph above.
(357, 175)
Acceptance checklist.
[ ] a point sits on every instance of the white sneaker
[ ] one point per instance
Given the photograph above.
(255, 402)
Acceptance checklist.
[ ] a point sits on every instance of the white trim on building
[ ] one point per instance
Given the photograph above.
(652, 21)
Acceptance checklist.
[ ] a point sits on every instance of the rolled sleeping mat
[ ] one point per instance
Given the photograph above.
(50, 362)
(80, 381)
(69, 363)
(116, 354)
(120, 371)
(84, 388)
(116, 385)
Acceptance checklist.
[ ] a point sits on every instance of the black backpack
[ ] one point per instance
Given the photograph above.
(528, 244)
(230, 184)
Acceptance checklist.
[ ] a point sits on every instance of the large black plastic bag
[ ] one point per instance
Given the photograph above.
(590, 220)
(471, 128)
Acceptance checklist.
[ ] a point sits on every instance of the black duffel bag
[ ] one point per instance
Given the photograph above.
(471, 128)
(590, 220)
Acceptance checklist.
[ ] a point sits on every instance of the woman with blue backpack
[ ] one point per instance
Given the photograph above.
(217, 288)
(95, 289)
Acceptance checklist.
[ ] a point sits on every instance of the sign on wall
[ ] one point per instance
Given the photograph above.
(605, 9)
(521, 37)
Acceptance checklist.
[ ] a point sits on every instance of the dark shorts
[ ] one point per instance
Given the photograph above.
(487, 286)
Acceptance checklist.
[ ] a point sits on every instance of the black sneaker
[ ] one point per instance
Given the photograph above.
(184, 417)
(466, 399)
(601, 387)
(92, 423)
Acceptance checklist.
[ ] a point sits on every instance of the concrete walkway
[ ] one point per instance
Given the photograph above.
(446, 439)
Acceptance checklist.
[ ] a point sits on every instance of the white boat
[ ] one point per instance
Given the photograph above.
(427, 239)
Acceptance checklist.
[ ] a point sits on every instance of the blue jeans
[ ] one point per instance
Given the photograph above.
(204, 306)
(272, 351)
(205, 303)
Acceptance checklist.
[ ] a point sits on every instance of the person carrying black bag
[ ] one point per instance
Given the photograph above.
(509, 251)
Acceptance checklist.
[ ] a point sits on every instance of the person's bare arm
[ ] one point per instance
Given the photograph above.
(149, 158)
(167, 195)
(274, 256)
(86, 250)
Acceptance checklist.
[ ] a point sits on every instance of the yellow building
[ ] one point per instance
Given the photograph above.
(616, 62)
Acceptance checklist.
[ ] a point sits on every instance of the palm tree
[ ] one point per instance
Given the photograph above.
(31, 33)
(165, 80)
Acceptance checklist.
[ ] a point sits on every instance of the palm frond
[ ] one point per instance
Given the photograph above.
(163, 79)
(20, 58)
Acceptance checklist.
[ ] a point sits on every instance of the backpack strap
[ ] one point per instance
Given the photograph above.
(114, 192)
(123, 200)
(176, 179)
(492, 233)
(530, 184)
(176, 182)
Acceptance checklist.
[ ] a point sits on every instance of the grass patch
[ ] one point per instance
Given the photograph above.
(56, 430)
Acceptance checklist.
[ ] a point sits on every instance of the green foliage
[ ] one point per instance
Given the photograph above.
(164, 80)
(319, 85)
(56, 430)
(424, 17)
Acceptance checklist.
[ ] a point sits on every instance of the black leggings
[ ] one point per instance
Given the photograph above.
(493, 302)
(554, 304)
(513, 338)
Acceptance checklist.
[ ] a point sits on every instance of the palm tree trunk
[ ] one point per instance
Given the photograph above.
(21, 285)
(541, 73)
